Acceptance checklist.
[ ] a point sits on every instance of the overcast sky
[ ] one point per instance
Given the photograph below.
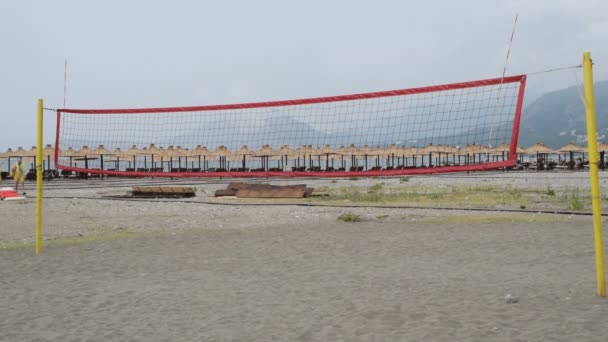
(144, 53)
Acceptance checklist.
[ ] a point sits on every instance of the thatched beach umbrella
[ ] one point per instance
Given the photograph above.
(84, 151)
(602, 147)
(571, 148)
(153, 151)
(307, 150)
(170, 153)
(342, 151)
(102, 151)
(472, 150)
(25, 156)
(264, 153)
(502, 150)
(284, 152)
(540, 148)
(199, 152)
(443, 154)
(365, 152)
(83, 154)
(222, 153)
(21, 153)
(116, 157)
(327, 151)
(377, 152)
(443, 150)
(68, 153)
(132, 153)
(429, 150)
(541, 151)
(390, 152)
(7, 155)
(241, 155)
(30, 156)
(181, 152)
(402, 153)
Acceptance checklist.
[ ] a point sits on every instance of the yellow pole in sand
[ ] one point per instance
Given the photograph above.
(39, 180)
(593, 173)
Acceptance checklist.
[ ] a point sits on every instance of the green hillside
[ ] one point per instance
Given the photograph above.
(558, 117)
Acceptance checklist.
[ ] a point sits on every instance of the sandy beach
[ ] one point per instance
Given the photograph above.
(210, 269)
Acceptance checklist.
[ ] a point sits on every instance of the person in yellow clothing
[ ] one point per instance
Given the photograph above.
(18, 172)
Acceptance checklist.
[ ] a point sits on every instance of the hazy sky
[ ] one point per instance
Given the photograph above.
(143, 53)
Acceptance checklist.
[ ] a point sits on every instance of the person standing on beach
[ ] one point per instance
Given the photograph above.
(19, 175)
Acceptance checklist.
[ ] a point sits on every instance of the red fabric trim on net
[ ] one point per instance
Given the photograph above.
(362, 96)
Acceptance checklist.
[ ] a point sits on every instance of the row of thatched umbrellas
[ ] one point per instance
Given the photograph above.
(223, 155)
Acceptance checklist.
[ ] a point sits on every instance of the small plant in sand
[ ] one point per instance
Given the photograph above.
(377, 187)
(575, 202)
(334, 181)
(404, 179)
(550, 192)
(348, 217)
(522, 206)
(354, 178)
(381, 217)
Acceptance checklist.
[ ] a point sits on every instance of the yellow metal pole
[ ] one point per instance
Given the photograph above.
(593, 174)
(39, 180)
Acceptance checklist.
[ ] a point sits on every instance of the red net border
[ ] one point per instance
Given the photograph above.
(256, 174)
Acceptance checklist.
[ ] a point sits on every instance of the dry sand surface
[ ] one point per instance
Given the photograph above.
(173, 271)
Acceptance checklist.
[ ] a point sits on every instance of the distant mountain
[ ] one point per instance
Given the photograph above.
(558, 117)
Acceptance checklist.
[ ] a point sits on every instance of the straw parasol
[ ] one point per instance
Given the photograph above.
(117, 154)
(7, 155)
(68, 153)
(170, 152)
(364, 151)
(241, 155)
(20, 152)
(48, 151)
(308, 150)
(26, 156)
(285, 152)
(393, 151)
(342, 151)
(378, 152)
(502, 148)
(101, 151)
(471, 149)
(181, 152)
(264, 152)
(198, 152)
(132, 153)
(152, 150)
(83, 154)
(571, 148)
(602, 147)
(429, 150)
(328, 151)
(539, 148)
(84, 151)
(222, 152)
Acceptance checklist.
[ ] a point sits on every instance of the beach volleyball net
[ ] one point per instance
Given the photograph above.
(446, 128)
